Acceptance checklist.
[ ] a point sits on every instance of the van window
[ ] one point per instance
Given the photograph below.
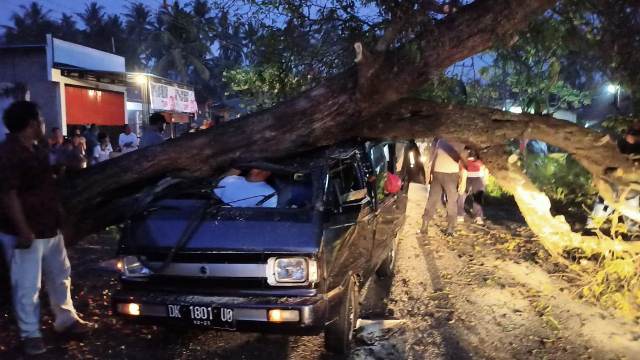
(343, 179)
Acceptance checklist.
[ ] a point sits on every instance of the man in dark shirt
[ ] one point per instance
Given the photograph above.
(629, 144)
(30, 219)
(152, 135)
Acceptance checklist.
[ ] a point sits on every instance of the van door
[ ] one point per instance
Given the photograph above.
(390, 210)
(348, 235)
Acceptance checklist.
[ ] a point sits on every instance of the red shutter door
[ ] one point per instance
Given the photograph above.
(90, 106)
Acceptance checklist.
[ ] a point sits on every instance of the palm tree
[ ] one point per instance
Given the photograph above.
(29, 27)
(93, 19)
(177, 45)
(137, 28)
(66, 28)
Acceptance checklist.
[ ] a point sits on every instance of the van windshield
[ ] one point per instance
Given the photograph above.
(249, 189)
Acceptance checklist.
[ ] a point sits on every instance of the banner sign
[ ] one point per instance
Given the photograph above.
(171, 98)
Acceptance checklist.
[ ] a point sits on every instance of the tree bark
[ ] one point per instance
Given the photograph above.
(331, 112)
(486, 128)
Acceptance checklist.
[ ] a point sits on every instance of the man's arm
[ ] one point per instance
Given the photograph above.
(19, 220)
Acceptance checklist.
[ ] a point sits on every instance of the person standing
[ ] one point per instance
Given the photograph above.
(30, 222)
(475, 175)
(153, 133)
(102, 151)
(91, 136)
(56, 142)
(128, 141)
(446, 164)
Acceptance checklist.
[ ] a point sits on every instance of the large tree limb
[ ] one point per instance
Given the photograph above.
(323, 115)
(483, 128)
(487, 128)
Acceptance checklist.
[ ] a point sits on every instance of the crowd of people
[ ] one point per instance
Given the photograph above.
(88, 145)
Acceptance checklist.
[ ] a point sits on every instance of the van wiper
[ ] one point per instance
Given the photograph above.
(187, 234)
(265, 199)
(193, 226)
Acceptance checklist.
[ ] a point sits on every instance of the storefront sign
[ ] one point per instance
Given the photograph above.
(171, 98)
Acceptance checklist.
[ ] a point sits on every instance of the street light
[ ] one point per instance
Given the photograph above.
(612, 88)
(140, 79)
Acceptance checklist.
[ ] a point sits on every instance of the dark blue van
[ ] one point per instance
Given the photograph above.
(296, 268)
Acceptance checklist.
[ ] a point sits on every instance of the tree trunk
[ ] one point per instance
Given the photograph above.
(362, 101)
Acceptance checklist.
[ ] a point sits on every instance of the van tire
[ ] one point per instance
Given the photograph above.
(386, 268)
(339, 334)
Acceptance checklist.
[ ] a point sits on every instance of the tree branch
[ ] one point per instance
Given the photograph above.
(323, 115)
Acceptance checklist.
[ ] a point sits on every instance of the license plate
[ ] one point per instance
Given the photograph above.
(203, 315)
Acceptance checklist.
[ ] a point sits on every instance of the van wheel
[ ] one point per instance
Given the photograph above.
(386, 269)
(339, 334)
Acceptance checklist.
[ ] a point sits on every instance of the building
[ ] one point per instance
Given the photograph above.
(73, 84)
(148, 93)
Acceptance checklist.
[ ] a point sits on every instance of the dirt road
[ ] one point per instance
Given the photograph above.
(489, 292)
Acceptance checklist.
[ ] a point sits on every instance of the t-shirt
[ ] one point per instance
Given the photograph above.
(474, 167)
(100, 155)
(237, 191)
(445, 153)
(131, 138)
(629, 148)
(149, 138)
(27, 171)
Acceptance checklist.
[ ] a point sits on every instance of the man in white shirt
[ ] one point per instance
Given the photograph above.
(128, 141)
(249, 191)
(446, 164)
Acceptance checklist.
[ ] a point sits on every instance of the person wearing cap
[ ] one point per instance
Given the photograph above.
(153, 133)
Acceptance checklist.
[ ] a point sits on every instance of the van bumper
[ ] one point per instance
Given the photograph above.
(250, 314)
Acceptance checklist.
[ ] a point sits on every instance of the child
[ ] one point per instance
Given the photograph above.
(476, 175)
(103, 150)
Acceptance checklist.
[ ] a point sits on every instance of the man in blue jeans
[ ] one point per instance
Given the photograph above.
(30, 222)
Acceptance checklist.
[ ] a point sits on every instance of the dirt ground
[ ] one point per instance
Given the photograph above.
(490, 292)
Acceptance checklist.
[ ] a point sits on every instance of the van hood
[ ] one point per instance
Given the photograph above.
(226, 229)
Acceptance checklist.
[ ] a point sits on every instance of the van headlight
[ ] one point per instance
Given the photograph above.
(131, 266)
(291, 271)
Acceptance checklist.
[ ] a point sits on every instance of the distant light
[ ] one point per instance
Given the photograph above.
(515, 109)
(140, 79)
(612, 88)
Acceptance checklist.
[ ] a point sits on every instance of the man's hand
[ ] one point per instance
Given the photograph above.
(24, 240)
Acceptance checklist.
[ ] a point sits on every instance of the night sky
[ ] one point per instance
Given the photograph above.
(57, 7)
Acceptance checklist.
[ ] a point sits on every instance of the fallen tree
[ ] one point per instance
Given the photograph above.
(367, 100)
